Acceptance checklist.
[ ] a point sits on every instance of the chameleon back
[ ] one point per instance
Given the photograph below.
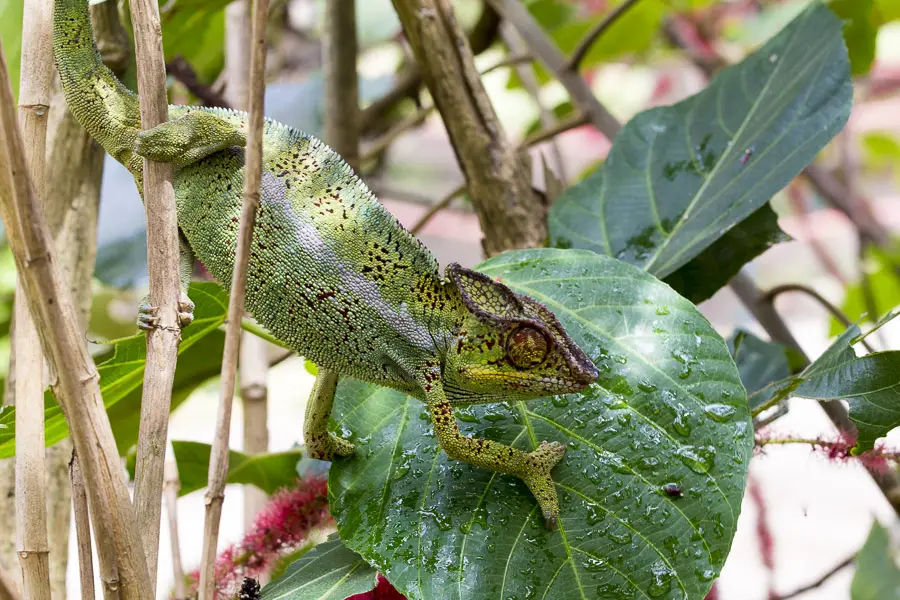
(332, 272)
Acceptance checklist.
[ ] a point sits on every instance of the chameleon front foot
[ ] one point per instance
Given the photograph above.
(325, 446)
(148, 315)
(536, 475)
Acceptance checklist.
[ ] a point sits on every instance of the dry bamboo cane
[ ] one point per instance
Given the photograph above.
(218, 461)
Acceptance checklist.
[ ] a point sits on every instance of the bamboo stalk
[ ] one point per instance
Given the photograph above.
(165, 287)
(218, 462)
(77, 383)
(32, 545)
(254, 367)
(170, 494)
(82, 529)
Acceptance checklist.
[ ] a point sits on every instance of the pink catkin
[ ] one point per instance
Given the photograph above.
(282, 525)
(764, 536)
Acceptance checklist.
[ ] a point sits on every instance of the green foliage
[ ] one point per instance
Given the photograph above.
(859, 32)
(121, 376)
(870, 384)
(269, 472)
(881, 149)
(327, 572)
(11, 12)
(877, 576)
(883, 268)
(678, 178)
(668, 408)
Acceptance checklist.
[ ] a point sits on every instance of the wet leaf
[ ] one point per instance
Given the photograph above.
(762, 364)
(329, 571)
(669, 412)
(679, 178)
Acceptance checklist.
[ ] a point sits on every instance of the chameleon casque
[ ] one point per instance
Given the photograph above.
(332, 273)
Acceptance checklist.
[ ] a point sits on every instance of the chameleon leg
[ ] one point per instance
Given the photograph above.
(321, 443)
(532, 467)
(188, 139)
(147, 314)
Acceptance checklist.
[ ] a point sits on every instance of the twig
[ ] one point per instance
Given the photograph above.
(588, 41)
(560, 127)
(165, 287)
(77, 384)
(170, 494)
(510, 61)
(181, 70)
(8, 588)
(218, 462)
(436, 208)
(764, 312)
(498, 174)
(836, 312)
(382, 143)
(32, 545)
(546, 50)
(818, 582)
(531, 85)
(82, 529)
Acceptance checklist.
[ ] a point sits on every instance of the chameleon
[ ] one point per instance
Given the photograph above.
(332, 273)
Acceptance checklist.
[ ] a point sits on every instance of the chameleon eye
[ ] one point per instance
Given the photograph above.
(526, 347)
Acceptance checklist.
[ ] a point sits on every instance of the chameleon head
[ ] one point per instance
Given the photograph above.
(509, 346)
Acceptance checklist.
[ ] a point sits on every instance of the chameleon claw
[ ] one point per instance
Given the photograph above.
(185, 311)
(148, 319)
(537, 477)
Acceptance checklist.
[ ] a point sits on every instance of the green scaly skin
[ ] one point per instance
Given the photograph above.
(332, 273)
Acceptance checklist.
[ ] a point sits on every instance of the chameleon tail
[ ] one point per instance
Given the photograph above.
(102, 105)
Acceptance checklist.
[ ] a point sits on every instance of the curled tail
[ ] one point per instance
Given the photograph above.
(105, 108)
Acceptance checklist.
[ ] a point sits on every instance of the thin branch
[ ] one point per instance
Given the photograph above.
(339, 52)
(540, 44)
(170, 494)
(184, 73)
(436, 208)
(165, 287)
(531, 85)
(404, 126)
(218, 463)
(82, 529)
(510, 60)
(764, 312)
(77, 384)
(32, 545)
(560, 127)
(821, 580)
(588, 41)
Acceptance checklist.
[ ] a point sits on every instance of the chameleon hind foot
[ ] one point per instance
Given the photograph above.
(325, 446)
(148, 317)
(538, 464)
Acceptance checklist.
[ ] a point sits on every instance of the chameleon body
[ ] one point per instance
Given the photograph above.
(332, 273)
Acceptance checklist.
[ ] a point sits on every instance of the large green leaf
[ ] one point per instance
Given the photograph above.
(122, 374)
(678, 178)
(668, 413)
(877, 576)
(870, 384)
(327, 572)
(269, 472)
